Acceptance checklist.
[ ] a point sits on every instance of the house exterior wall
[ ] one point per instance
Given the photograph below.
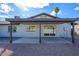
(62, 30)
(4, 31)
(23, 32)
(77, 30)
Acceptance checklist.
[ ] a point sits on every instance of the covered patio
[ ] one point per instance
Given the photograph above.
(41, 39)
(40, 22)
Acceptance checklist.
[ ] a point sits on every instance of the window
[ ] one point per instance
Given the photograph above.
(31, 28)
(13, 28)
(49, 30)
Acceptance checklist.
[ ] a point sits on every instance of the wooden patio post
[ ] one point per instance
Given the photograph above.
(11, 33)
(72, 33)
(40, 33)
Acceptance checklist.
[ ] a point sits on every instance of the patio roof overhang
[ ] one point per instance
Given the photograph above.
(54, 21)
(35, 19)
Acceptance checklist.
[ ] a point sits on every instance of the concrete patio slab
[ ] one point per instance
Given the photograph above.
(43, 40)
(27, 40)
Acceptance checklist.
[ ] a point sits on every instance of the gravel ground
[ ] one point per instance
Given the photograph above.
(43, 50)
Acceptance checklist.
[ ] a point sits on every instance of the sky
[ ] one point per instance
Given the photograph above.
(25, 10)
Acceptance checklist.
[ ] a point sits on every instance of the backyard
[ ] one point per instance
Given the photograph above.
(48, 47)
